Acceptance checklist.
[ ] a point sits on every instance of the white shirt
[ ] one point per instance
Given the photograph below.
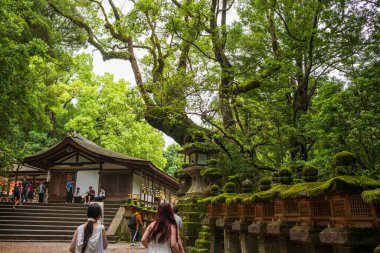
(94, 243)
(102, 193)
(179, 221)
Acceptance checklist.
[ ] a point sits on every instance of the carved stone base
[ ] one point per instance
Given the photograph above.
(305, 234)
(279, 228)
(351, 236)
(258, 229)
(241, 226)
(209, 221)
(224, 223)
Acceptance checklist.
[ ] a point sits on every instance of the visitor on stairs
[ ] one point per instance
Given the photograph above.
(17, 194)
(161, 236)
(102, 194)
(90, 237)
(24, 194)
(41, 192)
(70, 191)
(29, 192)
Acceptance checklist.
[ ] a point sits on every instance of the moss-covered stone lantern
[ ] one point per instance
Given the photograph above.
(196, 157)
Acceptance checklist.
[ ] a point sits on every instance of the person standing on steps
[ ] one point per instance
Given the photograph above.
(41, 192)
(17, 194)
(69, 191)
(90, 237)
(24, 194)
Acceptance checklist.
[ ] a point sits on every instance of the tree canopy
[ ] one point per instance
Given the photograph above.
(273, 82)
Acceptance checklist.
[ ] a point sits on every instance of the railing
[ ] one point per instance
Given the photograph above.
(348, 210)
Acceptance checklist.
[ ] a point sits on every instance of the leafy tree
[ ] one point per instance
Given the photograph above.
(173, 159)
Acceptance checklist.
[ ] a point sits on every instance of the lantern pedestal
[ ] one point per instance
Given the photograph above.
(197, 185)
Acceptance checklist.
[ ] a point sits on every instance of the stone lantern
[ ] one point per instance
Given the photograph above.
(196, 157)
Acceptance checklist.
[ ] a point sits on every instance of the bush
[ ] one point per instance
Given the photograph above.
(230, 187)
(344, 158)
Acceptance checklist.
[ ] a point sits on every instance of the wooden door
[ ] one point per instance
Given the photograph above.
(116, 185)
(57, 186)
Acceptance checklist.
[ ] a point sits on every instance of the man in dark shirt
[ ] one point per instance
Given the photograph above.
(90, 195)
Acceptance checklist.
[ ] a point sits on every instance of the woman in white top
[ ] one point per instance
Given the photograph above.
(161, 236)
(102, 194)
(90, 237)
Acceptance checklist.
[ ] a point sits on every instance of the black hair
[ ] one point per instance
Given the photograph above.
(94, 211)
(175, 209)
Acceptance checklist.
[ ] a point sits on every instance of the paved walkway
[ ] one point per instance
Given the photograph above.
(45, 247)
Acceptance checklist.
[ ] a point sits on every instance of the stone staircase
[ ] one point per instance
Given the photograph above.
(47, 222)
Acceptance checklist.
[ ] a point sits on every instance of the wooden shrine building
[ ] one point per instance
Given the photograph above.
(91, 165)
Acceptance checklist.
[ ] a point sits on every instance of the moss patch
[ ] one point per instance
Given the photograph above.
(371, 196)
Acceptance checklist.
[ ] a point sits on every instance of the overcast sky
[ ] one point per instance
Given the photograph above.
(120, 69)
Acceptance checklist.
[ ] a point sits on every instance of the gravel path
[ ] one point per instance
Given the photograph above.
(45, 247)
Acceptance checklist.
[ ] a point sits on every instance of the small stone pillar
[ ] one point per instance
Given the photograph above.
(248, 241)
(231, 238)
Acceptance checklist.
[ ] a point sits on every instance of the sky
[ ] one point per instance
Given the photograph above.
(120, 69)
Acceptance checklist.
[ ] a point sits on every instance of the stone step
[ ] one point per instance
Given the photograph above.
(16, 221)
(37, 227)
(47, 222)
(36, 232)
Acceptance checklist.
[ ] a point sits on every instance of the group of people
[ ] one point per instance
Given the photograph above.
(23, 191)
(77, 196)
(161, 236)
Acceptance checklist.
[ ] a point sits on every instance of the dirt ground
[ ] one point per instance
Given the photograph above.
(35, 247)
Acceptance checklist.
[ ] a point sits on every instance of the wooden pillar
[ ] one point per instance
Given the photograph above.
(141, 178)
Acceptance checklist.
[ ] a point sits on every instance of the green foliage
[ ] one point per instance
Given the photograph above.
(285, 176)
(371, 196)
(173, 159)
(265, 181)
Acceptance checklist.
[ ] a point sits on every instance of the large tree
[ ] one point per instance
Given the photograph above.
(248, 79)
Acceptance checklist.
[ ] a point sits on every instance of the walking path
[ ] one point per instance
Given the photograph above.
(49, 247)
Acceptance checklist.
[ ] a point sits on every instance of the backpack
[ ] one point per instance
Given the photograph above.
(132, 222)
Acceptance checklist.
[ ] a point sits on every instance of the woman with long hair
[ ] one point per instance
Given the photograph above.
(161, 236)
(90, 237)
